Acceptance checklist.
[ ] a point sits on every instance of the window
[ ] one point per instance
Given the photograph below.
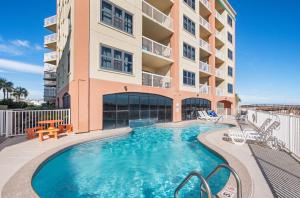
(188, 51)
(119, 108)
(188, 25)
(191, 106)
(229, 37)
(229, 20)
(230, 88)
(188, 78)
(116, 17)
(116, 60)
(66, 101)
(230, 71)
(230, 54)
(190, 3)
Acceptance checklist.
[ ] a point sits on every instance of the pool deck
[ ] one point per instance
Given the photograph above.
(19, 161)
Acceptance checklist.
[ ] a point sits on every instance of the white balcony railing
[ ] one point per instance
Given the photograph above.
(220, 73)
(50, 56)
(157, 15)
(206, 4)
(220, 54)
(205, 23)
(52, 38)
(50, 21)
(205, 45)
(220, 35)
(204, 67)
(155, 80)
(156, 48)
(219, 17)
(220, 92)
(204, 89)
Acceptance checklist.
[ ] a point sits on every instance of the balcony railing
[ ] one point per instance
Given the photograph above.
(220, 54)
(49, 67)
(220, 73)
(205, 45)
(49, 83)
(49, 92)
(156, 48)
(50, 75)
(52, 38)
(50, 21)
(204, 67)
(220, 92)
(155, 80)
(204, 89)
(157, 15)
(50, 56)
(219, 17)
(205, 23)
(206, 4)
(220, 35)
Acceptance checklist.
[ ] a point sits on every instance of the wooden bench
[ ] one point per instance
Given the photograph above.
(50, 132)
(31, 132)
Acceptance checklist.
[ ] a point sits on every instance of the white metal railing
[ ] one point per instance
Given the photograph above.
(288, 131)
(52, 38)
(15, 122)
(50, 21)
(155, 80)
(205, 45)
(219, 17)
(50, 56)
(49, 67)
(221, 73)
(220, 92)
(205, 23)
(220, 35)
(156, 48)
(204, 67)
(204, 89)
(206, 4)
(220, 54)
(157, 15)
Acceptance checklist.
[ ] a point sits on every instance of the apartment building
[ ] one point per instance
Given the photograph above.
(122, 60)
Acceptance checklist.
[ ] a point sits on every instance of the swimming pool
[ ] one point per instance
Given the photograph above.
(150, 162)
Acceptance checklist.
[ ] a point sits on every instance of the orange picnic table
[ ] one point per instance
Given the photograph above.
(50, 122)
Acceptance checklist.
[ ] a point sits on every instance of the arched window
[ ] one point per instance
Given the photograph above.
(119, 108)
(191, 106)
(66, 101)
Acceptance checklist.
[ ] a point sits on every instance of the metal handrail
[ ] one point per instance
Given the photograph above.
(187, 179)
(234, 173)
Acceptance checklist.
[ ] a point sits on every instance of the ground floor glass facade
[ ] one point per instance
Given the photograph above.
(190, 106)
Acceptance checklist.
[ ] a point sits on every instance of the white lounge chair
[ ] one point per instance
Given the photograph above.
(201, 116)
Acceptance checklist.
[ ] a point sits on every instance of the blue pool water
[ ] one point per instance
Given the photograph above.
(150, 162)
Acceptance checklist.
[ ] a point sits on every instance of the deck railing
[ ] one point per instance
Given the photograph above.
(288, 131)
(156, 48)
(15, 122)
(220, 73)
(50, 21)
(220, 35)
(155, 80)
(157, 15)
(50, 56)
(205, 23)
(52, 38)
(206, 4)
(204, 89)
(204, 67)
(219, 17)
(220, 54)
(205, 45)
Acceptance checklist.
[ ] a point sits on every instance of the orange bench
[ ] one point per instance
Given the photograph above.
(30, 132)
(51, 132)
(65, 128)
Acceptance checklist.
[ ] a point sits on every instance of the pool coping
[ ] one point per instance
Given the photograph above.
(20, 184)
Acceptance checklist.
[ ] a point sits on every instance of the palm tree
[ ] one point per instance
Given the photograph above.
(20, 92)
(237, 99)
(24, 93)
(2, 83)
(8, 88)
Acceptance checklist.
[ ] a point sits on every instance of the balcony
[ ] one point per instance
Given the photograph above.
(161, 5)
(220, 38)
(205, 45)
(220, 73)
(156, 24)
(49, 92)
(155, 80)
(156, 54)
(220, 56)
(50, 76)
(50, 41)
(204, 89)
(206, 4)
(204, 67)
(49, 67)
(50, 58)
(50, 23)
(220, 92)
(50, 83)
(220, 22)
(204, 23)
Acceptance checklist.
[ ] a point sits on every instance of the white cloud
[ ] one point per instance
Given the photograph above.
(35, 94)
(20, 66)
(10, 49)
(38, 47)
(21, 43)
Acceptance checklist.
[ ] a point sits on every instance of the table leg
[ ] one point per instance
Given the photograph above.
(41, 137)
(56, 135)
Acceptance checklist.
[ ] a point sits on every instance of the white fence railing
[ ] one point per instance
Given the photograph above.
(157, 15)
(220, 35)
(50, 56)
(204, 67)
(220, 54)
(220, 73)
(52, 38)
(15, 122)
(204, 89)
(156, 48)
(288, 131)
(205, 45)
(50, 21)
(205, 23)
(206, 4)
(155, 80)
(220, 17)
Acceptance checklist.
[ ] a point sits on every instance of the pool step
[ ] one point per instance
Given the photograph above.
(204, 187)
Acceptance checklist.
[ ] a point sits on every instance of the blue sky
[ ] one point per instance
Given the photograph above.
(268, 48)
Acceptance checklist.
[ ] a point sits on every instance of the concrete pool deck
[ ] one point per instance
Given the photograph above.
(19, 162)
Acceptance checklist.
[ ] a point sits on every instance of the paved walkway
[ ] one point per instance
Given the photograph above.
(281, 171)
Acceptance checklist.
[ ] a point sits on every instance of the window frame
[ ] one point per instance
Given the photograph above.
(230, 71)
(190, 79)
(189, 49)
(229, 20)
(230, 37)
(230, 88)
(230, 54)
(190, 26)
(190, 3)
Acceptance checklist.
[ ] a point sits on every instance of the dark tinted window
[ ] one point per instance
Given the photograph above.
(188, 25)
(191, 106)
(230, 54)
(229, 36)
(229, 20)
(230, 88)
(188, 51)
(230, 71)
(188, 78)
(190, 3)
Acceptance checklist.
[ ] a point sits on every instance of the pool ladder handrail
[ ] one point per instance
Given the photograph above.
(187, 179)
(205, 183)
